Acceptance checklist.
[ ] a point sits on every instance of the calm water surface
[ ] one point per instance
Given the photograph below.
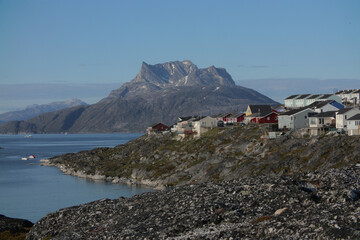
(30, 191)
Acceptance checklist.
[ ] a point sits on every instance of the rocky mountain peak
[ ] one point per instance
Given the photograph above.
(172, 74)
(183, 73)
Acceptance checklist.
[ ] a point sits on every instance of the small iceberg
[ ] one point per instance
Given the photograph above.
(24, 158)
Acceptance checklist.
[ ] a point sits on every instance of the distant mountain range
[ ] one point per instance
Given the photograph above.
(159, 93)
(35, 110)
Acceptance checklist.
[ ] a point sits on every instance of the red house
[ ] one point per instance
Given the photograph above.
(234, 118)
(261, 114)
(157, 128)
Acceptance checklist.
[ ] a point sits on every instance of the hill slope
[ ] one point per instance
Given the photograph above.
(160, 92)
(34, 110)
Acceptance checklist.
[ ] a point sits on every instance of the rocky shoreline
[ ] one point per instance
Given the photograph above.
(98, 177)
(313, 205)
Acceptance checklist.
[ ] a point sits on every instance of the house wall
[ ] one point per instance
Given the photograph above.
(334, 97)
(315, 122)
(289, 103)
(296, 121)
(353, 127)
(272, 118)
(341, 119)
(285, 121)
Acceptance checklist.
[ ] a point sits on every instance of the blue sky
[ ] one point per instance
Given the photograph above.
(103, 43)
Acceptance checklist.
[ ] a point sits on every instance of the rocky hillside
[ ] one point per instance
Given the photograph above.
(319, 205)
(34, 110)
(221, 154)
(159, 93)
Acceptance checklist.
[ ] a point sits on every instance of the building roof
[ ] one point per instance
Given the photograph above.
(344, 110)
(261, 110)
(357, 91)
(303, 96)
(326, 114)
(355, 117)
(292, 97)
(325, 96)
(340, 92)
(314, 96)
(295, 111)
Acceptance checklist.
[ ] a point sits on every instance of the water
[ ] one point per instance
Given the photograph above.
(30, 191)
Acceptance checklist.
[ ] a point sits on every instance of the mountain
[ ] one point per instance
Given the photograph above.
(35, 109)
(159, 93)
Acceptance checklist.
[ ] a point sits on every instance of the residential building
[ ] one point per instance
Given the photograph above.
(261, 114)
(203, 124)
(322, 122)
(353, 125)
(343, 115)
(157, 128)
(351, 96)
(290, 101)
(303, 100)
(326, 106)
(295, 119)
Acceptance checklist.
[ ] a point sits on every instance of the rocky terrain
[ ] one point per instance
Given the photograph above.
(34, 110)
(315, 205)
(220, 154)
(13, 228)
(159, 93)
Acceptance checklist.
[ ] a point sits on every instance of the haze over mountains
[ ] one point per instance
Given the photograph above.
(35, 110)
(159, 93)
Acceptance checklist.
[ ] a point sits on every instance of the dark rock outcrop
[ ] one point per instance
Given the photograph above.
(253, 208)
(13, 227)
(159, 93)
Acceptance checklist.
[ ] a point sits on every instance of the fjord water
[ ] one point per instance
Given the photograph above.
(30, 191)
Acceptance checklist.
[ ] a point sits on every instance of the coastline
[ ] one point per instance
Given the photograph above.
(155, 185)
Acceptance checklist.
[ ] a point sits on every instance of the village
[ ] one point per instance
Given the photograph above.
(313, 114)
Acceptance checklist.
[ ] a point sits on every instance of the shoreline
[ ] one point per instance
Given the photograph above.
(154, 185)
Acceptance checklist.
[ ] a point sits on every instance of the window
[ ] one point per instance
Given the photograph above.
(268, 118)
(357, 123)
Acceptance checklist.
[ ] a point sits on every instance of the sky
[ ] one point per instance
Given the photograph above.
(86, 48)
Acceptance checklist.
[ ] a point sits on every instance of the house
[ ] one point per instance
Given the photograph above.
(353, 125)
(343, 115)
(290, 101)
(349, 96)
(203, 124)
(313, 98)
(295, 119)
(194, 126)
(234, 118)
(330, 97)
(326, 106)
(261, 114)
(303, 100)
(157, 128)
(322, 122)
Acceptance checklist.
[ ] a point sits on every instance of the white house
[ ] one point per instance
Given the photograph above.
(349, 96)
(202, 125)
(295, 119)
(303, 100)
(300, 100)
(290, 101)
(326, 106)
(313, 98)
(353, 125)
(322, 122)
(343, 115)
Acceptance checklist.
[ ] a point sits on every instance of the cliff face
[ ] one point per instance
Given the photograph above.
(159, 93)
(321, 205)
